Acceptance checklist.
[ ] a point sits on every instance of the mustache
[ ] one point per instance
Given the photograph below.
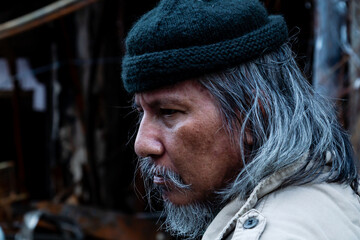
(149, 169)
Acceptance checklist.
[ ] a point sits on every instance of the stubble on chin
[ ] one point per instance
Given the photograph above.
(189, 220)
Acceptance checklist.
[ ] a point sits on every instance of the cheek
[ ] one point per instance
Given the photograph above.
(203, 155)
(195, 139)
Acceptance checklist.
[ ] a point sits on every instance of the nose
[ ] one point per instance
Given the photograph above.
(148, 142)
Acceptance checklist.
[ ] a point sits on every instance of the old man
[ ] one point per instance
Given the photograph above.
(231, 137)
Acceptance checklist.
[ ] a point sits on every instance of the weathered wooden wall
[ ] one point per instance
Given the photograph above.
(354, 74)
(328, 73)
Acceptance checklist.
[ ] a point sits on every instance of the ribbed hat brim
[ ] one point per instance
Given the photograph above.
(152, 70)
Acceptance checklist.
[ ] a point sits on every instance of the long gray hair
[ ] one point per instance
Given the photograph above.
(270, 99)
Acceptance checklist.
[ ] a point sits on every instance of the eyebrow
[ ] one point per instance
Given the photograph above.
(159, 102)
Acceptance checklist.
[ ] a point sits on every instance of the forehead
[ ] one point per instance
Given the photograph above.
(183, 92)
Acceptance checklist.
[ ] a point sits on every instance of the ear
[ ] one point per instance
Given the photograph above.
(249, 139)
(249, 136)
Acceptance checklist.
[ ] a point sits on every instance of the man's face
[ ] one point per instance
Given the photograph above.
(181, 130)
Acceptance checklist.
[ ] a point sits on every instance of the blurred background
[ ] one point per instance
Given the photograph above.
(66, 124)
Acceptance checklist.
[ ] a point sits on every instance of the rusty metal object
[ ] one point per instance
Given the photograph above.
(67, 229)
(41, 16)
(101, 224)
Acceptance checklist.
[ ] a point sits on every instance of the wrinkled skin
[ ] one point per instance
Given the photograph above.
(181, 129)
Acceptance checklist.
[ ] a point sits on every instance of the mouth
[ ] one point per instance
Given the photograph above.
(159, 180)
(166, 180)
(163, 184)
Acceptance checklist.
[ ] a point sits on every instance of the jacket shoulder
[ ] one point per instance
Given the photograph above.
(326, 211)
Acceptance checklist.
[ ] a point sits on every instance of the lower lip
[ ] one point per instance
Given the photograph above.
(159, 180)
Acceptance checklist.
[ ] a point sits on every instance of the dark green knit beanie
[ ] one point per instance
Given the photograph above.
(182, 39)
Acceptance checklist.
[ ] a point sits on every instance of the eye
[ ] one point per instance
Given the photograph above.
(168, 112)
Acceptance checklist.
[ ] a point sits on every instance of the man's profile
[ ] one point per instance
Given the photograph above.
(232, 138)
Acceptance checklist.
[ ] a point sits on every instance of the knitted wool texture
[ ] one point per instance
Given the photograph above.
(183, 39)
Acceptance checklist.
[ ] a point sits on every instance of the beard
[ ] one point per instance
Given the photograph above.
(189, 221)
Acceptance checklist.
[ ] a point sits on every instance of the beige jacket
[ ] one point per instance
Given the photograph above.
(320, 211)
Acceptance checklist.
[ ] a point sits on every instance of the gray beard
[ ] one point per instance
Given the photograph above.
(186, 221)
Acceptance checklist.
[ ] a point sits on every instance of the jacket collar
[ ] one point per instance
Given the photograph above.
(225, 220)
